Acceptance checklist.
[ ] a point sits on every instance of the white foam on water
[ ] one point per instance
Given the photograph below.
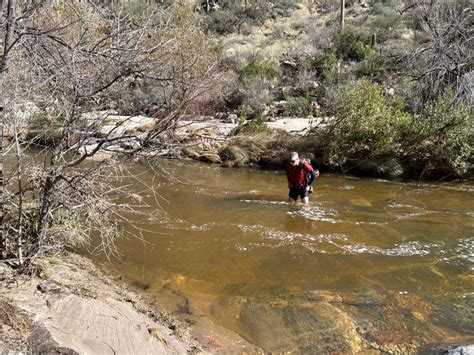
(369, 223)
(316, 213)
(402, 205)
(204, 227)
(409, 215)
(282, 238)
(405, 249)
(465, 250)
(181, 224)
(265, 202)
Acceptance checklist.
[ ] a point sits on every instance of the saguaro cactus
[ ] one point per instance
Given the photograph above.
(343, 5)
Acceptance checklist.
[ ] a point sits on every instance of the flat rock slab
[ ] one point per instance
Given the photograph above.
(214, 127)
(91, 326)
(222, 130)
(66, 323)
(295, 125)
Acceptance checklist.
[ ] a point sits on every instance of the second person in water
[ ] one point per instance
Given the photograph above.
(300, 177)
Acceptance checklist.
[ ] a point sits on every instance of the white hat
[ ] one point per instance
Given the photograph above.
(294, 156)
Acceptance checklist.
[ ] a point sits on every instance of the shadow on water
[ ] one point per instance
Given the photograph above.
(367, 265)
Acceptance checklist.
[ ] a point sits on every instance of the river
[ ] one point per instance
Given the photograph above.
(368, 265)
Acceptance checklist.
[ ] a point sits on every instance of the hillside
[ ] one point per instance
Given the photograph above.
(394, 68)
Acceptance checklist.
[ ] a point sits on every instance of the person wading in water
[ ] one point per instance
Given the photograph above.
(300, 177)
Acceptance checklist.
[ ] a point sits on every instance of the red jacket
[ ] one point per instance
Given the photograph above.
(297, 173)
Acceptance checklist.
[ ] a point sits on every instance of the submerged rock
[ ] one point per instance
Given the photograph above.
(359, 202)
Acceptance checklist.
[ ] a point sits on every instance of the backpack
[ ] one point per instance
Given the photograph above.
(307, 175)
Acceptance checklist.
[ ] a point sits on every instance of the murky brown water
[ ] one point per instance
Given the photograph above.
(368, 263)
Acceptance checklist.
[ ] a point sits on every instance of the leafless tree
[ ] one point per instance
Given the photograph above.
(7, 9)
(444, 55)
(69, 57)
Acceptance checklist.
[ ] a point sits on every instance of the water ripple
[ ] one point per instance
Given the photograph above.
(405, 249)
(266, 202)
(316, 214)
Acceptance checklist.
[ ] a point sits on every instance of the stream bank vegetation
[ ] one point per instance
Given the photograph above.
(66, 59)
(391, 84)
(395, 82)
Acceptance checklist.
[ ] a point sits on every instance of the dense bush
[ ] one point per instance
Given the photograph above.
(260, 67)
(255, 94)
(228, 16)
(221, 22)
(386, 19)
(254, 89)
(367, 125)
(439, 141)
(374, 66)
(352, 43)
(326, 66)
(298, 106)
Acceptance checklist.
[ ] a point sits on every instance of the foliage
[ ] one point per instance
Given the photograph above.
(444, 55)
(221, 22)
(439, 140)
(352, 43)
(79, 56)
(374, 66)
(386, 20)
(259, 67)
(255, 89)
(326, 65)
(367, 124)
(228, 16)
(298, 106)
(256, 125)
(256, 94)
(49, 117)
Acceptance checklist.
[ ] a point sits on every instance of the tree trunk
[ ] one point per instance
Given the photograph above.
(7, 12)
(19, 172)
(3, 242)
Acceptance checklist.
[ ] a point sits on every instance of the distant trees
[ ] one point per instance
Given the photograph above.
(69, 58)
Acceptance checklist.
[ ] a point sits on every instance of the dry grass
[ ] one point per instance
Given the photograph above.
(267, 149)
(276, 39)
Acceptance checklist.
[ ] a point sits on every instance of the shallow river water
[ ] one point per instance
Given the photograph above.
(368, 265)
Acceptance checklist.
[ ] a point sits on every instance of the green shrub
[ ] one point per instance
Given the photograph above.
(439, 142)
(351, 43)
(298, 106)
(367, 124)
(256, 125)
(326, 66)
(374, 66)
(221, 22)
(260, 67)
(386, 17)
(50, 117)
(246, 112)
